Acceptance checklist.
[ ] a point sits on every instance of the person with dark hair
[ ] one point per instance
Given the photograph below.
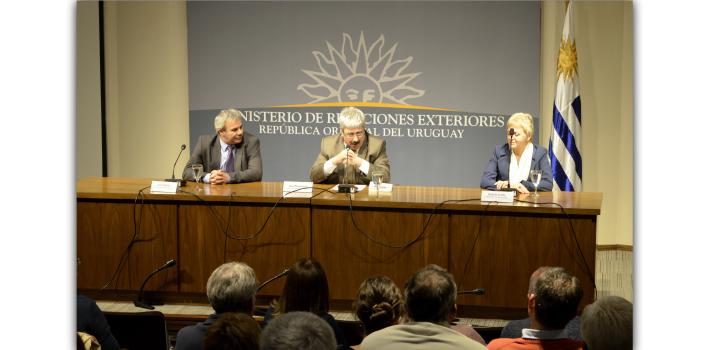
(607, 324)
(306, 289)
(231, 331)
(91, 320)
(230, 288)
(297, 330)
(553, 299)
(513, 329)
(430, 296)
(379, 303)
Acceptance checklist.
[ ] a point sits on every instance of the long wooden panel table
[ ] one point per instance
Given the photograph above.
(485, 245)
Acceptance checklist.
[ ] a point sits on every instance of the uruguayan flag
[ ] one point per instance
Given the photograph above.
(564, 149)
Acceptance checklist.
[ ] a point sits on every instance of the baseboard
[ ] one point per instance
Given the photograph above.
(623, 247)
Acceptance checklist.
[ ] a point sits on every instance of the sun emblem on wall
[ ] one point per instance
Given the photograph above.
(360, 72)
(567, 60)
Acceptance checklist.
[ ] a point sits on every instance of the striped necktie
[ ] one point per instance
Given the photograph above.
(230, 163)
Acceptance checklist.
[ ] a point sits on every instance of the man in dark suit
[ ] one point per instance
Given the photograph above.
(229, 156)
(230, 288)
(353, 155)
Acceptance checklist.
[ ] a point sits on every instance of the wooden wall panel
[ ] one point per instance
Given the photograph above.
(349, 257)
(202, 233)
(104, 230)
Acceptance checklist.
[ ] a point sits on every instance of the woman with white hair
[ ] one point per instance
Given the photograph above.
(510, 164)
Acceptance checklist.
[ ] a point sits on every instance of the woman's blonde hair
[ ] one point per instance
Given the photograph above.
(524, 121)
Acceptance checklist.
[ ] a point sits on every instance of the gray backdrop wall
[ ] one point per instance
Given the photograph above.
(437, 80)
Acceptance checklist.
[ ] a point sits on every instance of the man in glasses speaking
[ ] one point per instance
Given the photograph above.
(353, 155)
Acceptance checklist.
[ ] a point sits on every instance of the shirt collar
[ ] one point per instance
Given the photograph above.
(223, 146)
(529, 333)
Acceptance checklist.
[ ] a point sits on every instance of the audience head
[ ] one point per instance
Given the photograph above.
(306, 288)
(430, 295)
(607, 324)
(298, 330)
(231, 288)
(555, 298)
(379, 303)
(233, 330)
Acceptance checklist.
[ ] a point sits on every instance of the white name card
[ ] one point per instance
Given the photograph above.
(497, 196)
(164, 187)
(384, 187)
(297, 189)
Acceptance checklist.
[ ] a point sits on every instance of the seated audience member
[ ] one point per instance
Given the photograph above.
(551, 306)
(230, 288)
(379, 304)
(91, 320)
(607, 324)
(306, 289)
(297, 330)
(351, 156)
(228, 156)
(518, 156)
(233, 330)
(514, 328)
(430, 296)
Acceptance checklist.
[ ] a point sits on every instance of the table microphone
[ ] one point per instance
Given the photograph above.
(511, 133)
(345, 187)
(283, 273)
(147, 305)
(476, 291)
(173, 179)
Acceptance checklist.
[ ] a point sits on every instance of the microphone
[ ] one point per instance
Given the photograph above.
(476, 291)
(281, 274)
(511, 133)
(345, 187)
(148, 305)
(173, 179)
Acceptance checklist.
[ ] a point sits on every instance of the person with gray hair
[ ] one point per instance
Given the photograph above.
(231, 155)
(353, 155)
(299, 330)
(553, 299)
(430, 296)
(230, 288)
(607, 324)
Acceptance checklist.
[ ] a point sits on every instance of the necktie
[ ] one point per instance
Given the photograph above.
(230, 163)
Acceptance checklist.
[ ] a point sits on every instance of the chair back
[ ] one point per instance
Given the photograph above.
(139, 330)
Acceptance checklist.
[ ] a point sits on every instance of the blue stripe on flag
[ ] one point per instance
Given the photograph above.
(576, 107)
(568, 139)
(558, 172)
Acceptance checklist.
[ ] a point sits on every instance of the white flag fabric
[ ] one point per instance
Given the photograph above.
(564, 148)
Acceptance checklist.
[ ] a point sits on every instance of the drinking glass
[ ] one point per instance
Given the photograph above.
(197, 171)
(377, 179)
(535, 176)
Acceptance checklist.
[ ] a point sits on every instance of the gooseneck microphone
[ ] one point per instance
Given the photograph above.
(345, 187)
(476, 291)
(283, 273)
(173, 179)
(148, 305)
(511, 133)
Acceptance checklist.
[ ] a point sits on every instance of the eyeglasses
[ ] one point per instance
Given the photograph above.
(357, 134)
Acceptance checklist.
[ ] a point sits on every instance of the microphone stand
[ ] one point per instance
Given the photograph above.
(149, 305)
(511, 133)
(173, 179)
(345, 187)
(283, 273)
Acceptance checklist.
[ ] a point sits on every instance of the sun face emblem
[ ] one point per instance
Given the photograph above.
(567, 60)
(357, 72)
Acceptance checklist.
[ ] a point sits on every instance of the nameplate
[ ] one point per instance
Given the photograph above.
(497, 196)
(384, 188)
(164, 187)
(297, 189)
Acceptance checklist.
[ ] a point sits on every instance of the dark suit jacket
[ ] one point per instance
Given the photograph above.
(191, 337)
(248, 161)
(91, 320)
(373, 151)
(498, 167)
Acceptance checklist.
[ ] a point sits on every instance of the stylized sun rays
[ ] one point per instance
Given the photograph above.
(360, 73)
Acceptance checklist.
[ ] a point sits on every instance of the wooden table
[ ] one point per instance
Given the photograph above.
(492, 246)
